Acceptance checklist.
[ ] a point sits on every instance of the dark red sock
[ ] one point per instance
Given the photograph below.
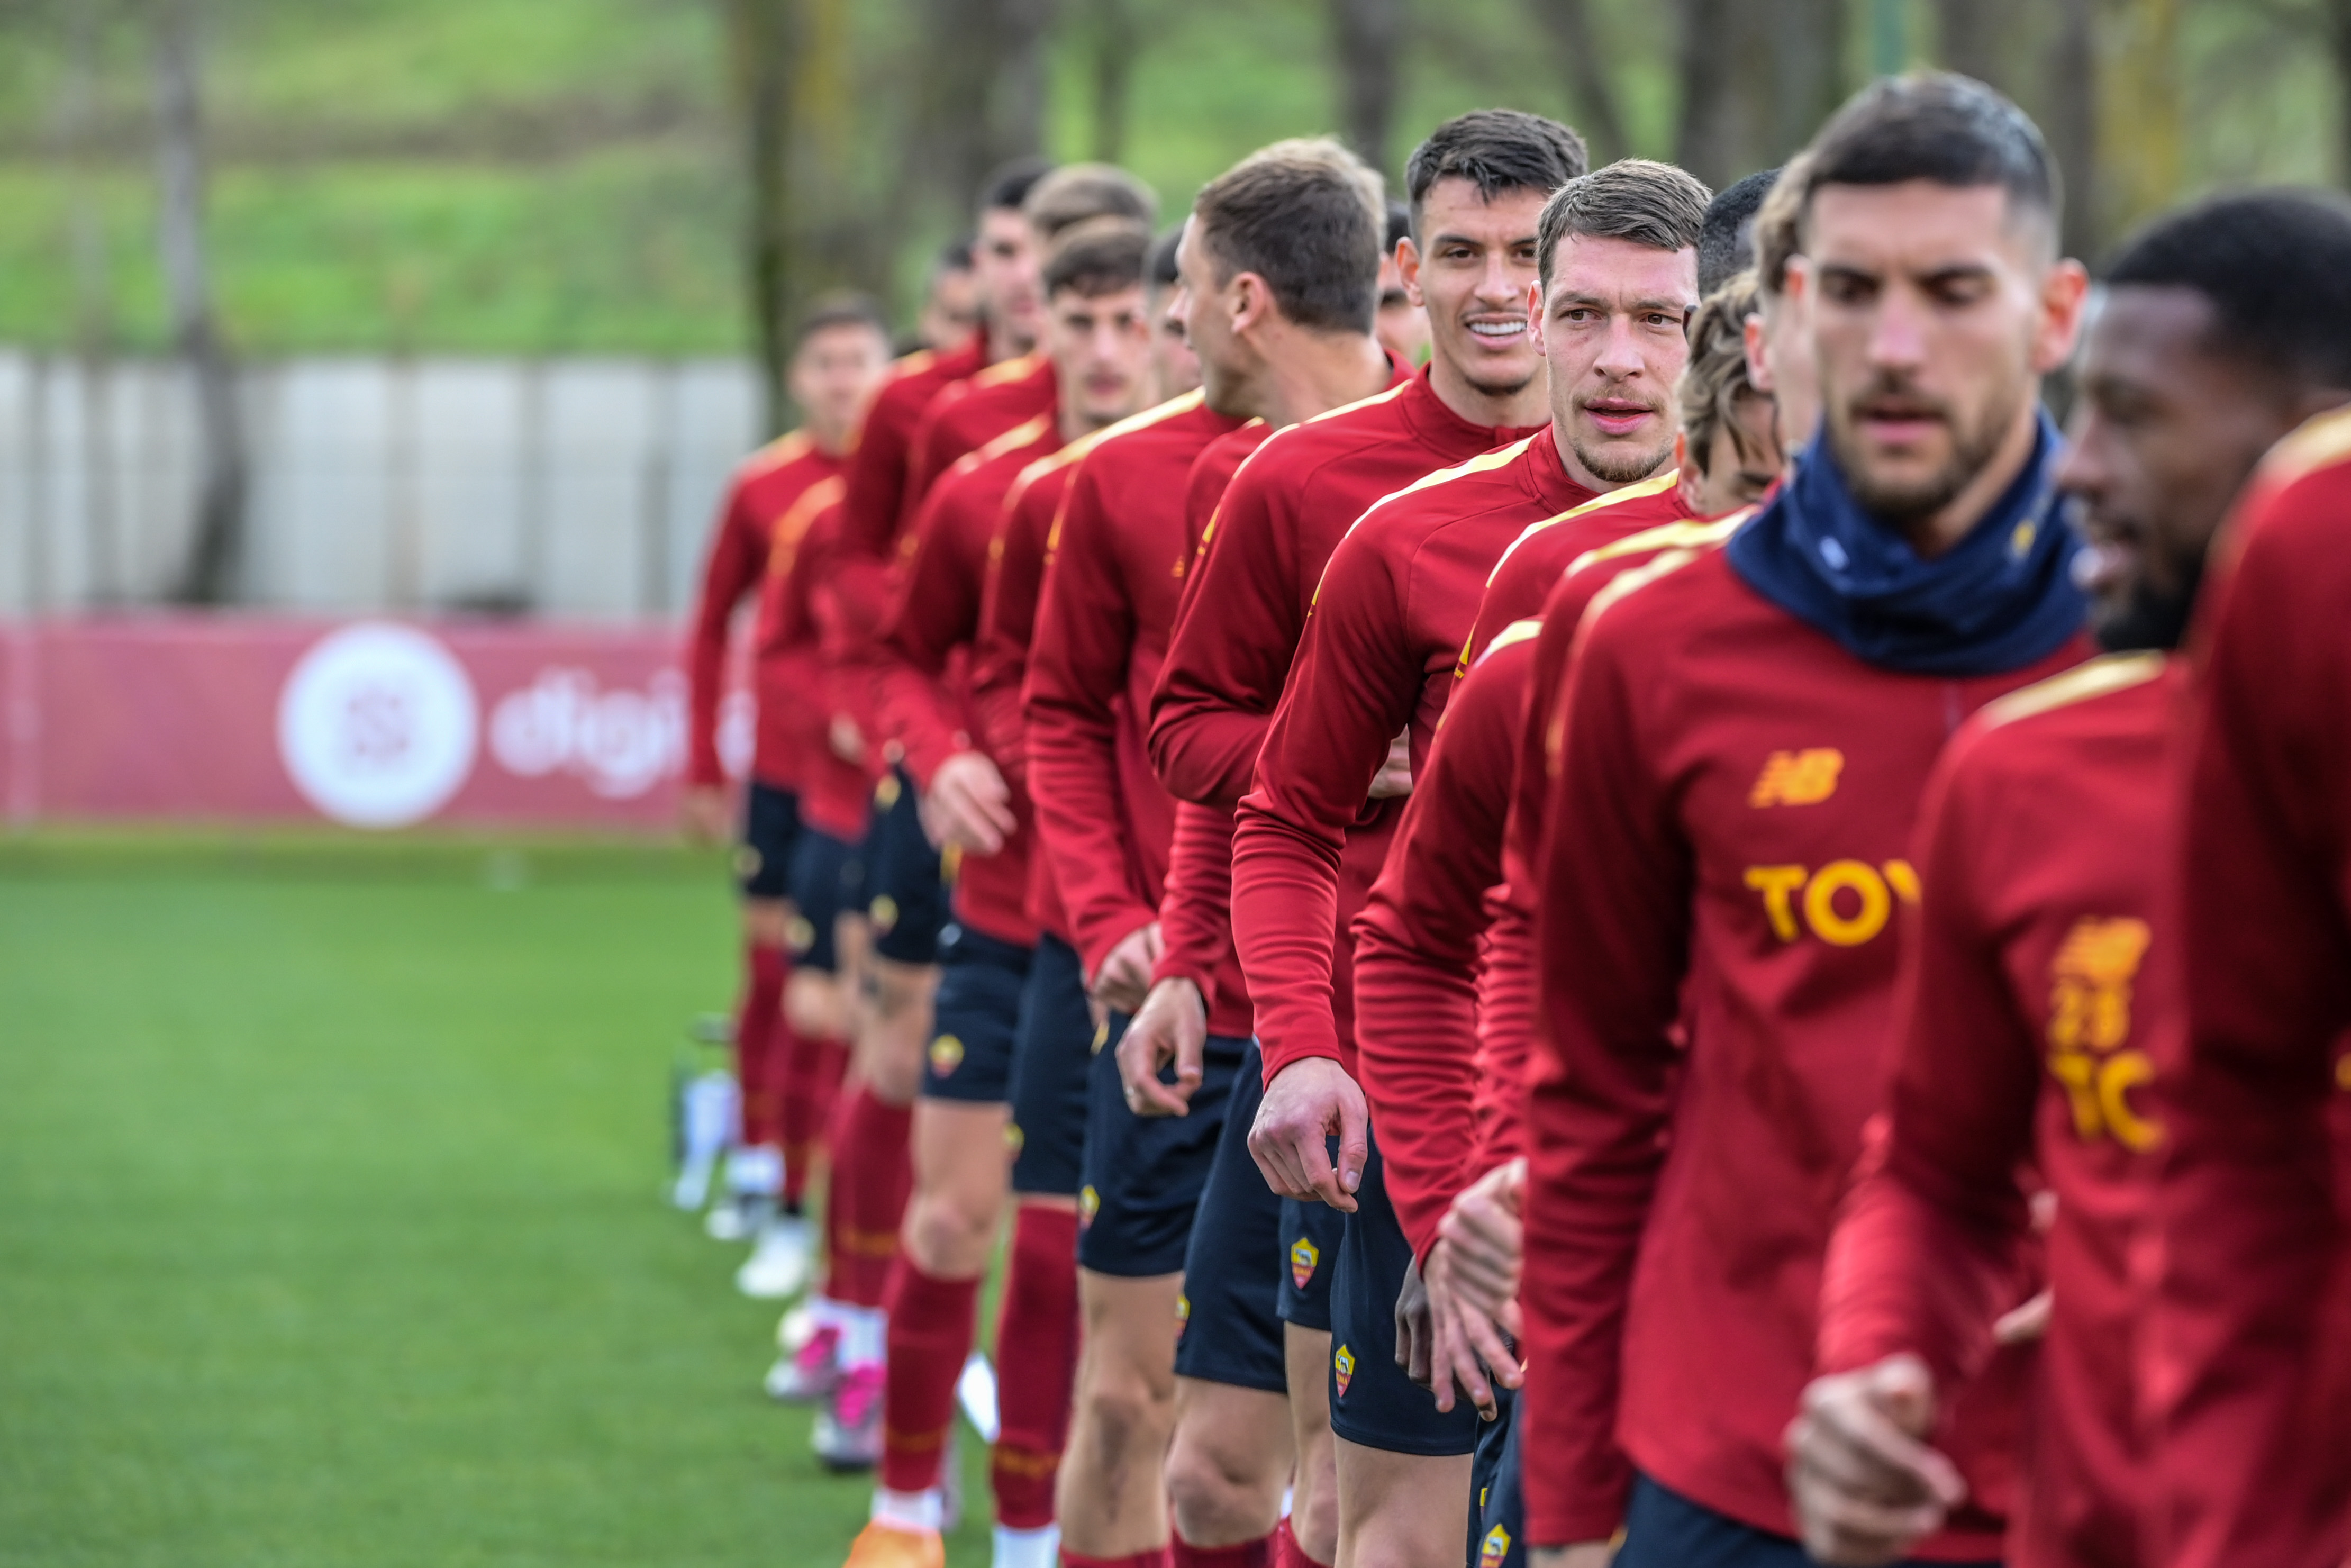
(758, 1023)
(1287, 1552)
(931, 1322)
(1156, 1557)
(811, 1077)
(866, 1197)
(1036, 1363)
(1257, 1553)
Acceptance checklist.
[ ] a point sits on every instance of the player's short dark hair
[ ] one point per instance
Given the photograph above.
(1778, 233)
(2276, 266)
(1007, 184)
(1098, 256)
(1399, 225)
(1716, 379)
(1938, 126)
(1497, 149)
(1075, 193)
(1163, 273)
(954, 256)
(840, 308)
(1306, 215)
(1726, 245)
(1635, 199)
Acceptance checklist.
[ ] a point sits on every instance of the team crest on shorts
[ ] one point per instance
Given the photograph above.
(883, 912)
(1304, 1258)
(1495, 1548)
(947, 1055)
(800, 932)
(1089, 1205)
(1343, 1363)
(1183, 1315)
(1015, 1140)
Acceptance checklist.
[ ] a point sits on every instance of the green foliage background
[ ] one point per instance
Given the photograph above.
(563, 175)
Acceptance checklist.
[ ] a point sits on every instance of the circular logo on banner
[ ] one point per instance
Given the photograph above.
(378, 724)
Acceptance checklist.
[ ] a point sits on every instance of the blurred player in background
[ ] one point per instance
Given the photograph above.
(1401, 326)
(950, 300)
(837, 362)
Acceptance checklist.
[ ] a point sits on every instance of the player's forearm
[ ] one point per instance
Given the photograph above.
(1285, 909)
(1905, 1274)
(1196, 911)
(1203, 750)
(1076, 796)
(1415, 1036)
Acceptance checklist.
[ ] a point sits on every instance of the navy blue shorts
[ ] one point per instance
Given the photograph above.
(975, 1018)
(827, 878)
(771, 828)
(1310, 1258)
(1373, 1403)
(1666, 1530)
(1051, 1056)
(1496, 1502)
(904, 899)
(1232, 1284)
(1144, 1173)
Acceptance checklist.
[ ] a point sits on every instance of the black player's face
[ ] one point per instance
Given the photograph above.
(1472, 272)
(2167, 427)
(1615, 331)
(1932, 317)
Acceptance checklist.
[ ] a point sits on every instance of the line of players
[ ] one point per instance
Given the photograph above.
(1766, 994)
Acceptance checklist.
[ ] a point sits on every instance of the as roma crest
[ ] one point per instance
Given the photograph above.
(1304, 1256)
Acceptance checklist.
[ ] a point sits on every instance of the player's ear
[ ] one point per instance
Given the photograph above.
(1249, 299)
(1535, 316)
(2064, 292)
(1407, 262)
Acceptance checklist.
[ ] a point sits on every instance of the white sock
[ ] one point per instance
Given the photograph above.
(1027, 1548)
(756, 1171)
(918, 1511)
(863, 1334)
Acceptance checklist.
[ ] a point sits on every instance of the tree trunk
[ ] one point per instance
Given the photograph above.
(1758, 76)
(1117, 39)
(213, 556)
(1367, 37)
(1577, 46)
(981, 83)
(1969, 35)
(2139, 112)
(2337, 17)
(2071, 122)
(762, 41)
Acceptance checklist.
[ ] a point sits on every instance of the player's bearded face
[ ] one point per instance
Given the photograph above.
(1926, 319)
(1616, 336)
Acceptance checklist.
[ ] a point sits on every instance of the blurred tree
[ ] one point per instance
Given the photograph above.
(1582, 60)
(981, 86)
(1367, 42)
(2140, 113)
(762, 38)
(209, 573)
(1758, 76)
(1969, 35)
(2336, 15)
(1114, 40)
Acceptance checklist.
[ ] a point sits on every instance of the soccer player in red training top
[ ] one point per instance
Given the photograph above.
(836, 364)
(2247, 1400)
(1734, 771)
(1099, 339)
(2029, 996)
(1271, 533)
(950, 299)
(970, 412)
(1123, 539)
(1614, 285)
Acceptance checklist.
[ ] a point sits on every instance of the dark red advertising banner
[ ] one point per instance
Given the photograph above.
(374, 722)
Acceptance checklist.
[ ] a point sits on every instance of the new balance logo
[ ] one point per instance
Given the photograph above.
(1804, 778)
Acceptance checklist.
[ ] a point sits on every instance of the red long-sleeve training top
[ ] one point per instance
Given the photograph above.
(791, 655)
(1109, 603)
(969, 413)
(1195, 902)
(2021, 1032)
(1377, 655)
(765, 486)
(1731, 801)
(2252, 1389)
(1245, 604)
(926, 695)
(1441, 1065)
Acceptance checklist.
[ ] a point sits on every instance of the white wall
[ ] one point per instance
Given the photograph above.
(582, 488)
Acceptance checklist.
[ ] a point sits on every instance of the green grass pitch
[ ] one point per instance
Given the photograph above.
(332, 1225)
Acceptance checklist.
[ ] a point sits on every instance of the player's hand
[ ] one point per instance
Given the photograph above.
(2023, 1324)
(1309, 1102)
(1172, 1025)
(1583, 1555)
(1124, 981)
(701, 813)
(1395, 777)
(1470, 1350)
(1485, 1242)
(1866, 1486)
(847, 741)
(969, 805)
(1414, 1334)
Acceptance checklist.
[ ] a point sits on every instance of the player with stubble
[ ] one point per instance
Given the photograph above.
(1734, 771)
